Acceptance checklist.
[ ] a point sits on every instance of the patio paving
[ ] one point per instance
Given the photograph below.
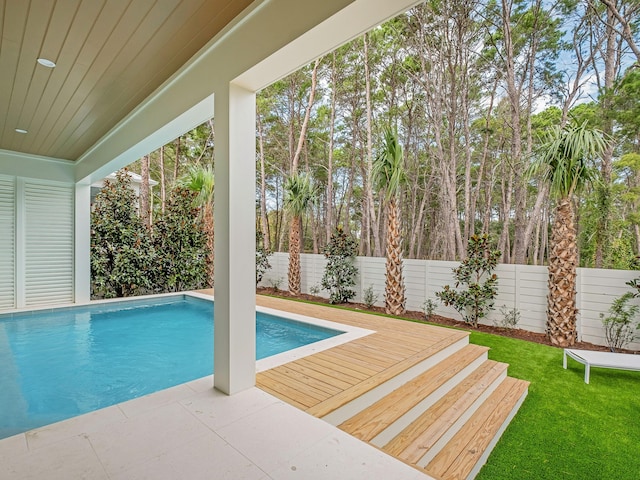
(194, 432)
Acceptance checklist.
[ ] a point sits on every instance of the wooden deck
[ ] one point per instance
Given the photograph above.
(325, 381)
(420, 393)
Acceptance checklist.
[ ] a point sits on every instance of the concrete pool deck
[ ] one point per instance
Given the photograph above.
(192, 432)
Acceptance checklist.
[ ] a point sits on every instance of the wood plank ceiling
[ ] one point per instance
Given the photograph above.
(109, 54)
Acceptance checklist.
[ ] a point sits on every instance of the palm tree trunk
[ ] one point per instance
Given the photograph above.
(294, 256)
(394, 285)
(563, 257)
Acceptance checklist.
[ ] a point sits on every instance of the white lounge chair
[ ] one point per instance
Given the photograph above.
(589, 358)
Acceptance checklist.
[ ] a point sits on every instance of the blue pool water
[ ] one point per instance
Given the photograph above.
(62, 363)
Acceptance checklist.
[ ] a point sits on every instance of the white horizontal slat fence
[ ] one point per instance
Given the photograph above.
(523, 287)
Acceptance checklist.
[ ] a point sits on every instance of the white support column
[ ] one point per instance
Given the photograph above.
(82, 254)
(235, 323)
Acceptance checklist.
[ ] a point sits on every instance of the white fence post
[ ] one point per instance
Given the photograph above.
(579, 290)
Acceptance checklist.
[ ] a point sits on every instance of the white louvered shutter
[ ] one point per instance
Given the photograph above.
(7, 242)
(49, 236)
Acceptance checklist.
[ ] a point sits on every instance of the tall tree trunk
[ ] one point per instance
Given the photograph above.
(281, 231)
(507, 188)
(305, 122)
(483, 160)
(523, 226)
(347, 201)
(627, 33)
(315, 231)
(488, 202)
(563, 259)
(374, 224)
(468, 213)
(534, 217)
(332, 120)
(418, 226)
(603, 191)
(176, 165)
(513, 93)
(145, 205)
(544, 241)
(536, 241)
(264, 220)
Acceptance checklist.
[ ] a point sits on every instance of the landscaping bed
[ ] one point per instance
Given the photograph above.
(518, 333)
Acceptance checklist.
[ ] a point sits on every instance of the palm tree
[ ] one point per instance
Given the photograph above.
(387, 176)
(299, 195)
(200, 179)
(565, 161)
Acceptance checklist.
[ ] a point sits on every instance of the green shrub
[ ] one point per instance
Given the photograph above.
(369, 298)
(340, 272)
(476, 273)
(275, 283)
(122, 253)
(619, 329)
(179, 235)
(429, 307)
(635, 284)
(510, 317)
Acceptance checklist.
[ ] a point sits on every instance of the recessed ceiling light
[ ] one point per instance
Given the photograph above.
(21, 130)
(46, 62)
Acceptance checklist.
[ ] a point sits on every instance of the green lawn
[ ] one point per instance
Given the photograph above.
(565, 429)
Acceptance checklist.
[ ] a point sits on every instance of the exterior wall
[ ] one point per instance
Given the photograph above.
(37, 253)
(519, 286)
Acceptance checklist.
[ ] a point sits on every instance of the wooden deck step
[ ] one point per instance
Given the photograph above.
(462, 457)
(371, 421)
(440, 422)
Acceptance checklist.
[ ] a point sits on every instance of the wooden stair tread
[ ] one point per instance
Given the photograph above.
(337, 401)
(376, 418)
(418, 438)
(458, 458)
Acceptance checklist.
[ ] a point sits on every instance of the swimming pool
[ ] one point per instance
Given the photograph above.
(64, 362)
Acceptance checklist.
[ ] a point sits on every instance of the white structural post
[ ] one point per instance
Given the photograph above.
(235, 321)
(82, 254)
